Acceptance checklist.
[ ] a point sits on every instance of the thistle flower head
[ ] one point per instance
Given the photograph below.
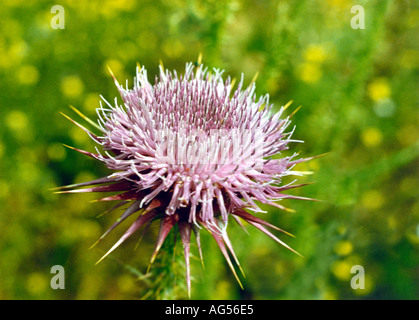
(192, 151)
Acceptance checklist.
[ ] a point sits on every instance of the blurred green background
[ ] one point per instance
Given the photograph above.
(359, 95)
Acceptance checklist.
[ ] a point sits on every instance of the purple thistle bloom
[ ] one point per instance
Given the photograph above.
(189, 150)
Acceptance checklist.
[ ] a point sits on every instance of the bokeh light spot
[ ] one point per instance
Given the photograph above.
(343, 248)
(372, 199)
(309, 72)
(315, 53)
(27, 75)
(342, 270)
(36, 283)
(72, 86)
(16, 120)
(379, 89)
(91, 103)
(56, 152)
(371, 137)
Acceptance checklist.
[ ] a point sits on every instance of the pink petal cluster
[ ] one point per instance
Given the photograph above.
(190, 150)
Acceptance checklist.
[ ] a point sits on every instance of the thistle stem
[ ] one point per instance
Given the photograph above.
(168, 272)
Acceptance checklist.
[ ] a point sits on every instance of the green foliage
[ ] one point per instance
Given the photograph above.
(359, 94)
